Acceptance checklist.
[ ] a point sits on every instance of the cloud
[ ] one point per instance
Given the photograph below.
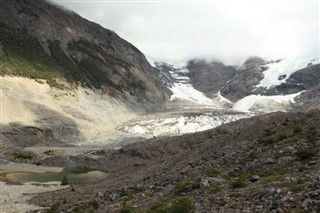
(229, 31)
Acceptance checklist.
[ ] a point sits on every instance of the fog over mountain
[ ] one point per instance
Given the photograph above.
(229, 31)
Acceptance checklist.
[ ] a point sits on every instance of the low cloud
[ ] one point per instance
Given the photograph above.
(229, 31)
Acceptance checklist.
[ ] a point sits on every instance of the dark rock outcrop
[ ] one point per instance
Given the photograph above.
(209, 77)
(246, 77)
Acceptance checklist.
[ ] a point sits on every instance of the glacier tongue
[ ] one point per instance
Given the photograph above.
(179, 125)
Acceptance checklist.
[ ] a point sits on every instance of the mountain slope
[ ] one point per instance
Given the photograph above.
(41, 40)
(209, 77)
(262, 85)
(244, 79)
(65, 79)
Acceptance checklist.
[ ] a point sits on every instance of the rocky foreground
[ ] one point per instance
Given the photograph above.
(268, 163)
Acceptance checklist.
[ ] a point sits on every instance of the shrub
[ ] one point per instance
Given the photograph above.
(212, 173)
(178, 205)
(266, 140)
(54, 208)
(281, 137)
(64, 181)
(238, 183)
(186, 186)
(297, 129)
(305, 153)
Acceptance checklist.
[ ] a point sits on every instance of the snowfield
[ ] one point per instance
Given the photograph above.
(184, 91)
(188, 93)
(284, 68)
(259, 103)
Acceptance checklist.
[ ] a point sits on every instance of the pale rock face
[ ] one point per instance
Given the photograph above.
(30, 103)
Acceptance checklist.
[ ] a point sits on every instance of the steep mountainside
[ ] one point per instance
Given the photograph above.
(65, 79)
(41, 40)
(244, 80)
(209, 77)
(261, 85)
(307, 80)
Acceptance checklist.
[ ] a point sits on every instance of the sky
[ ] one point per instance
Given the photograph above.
(228, 31)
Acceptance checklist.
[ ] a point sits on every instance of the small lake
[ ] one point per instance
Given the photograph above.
(72, 177)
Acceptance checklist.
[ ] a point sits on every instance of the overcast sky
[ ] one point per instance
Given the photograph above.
(229, 31)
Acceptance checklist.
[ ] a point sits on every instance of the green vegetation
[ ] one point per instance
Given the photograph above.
(54, 208)
(237, 183)
(297, 129)
(298, 210)
(186, 186)
(22, 155)
(216, 189)
(64, 181)
(129, 210)
(212, 172)
(23, 55)
(90, 207)
(267, 140)
(305, 153)
(177, 205)
(233, 204)
(296, 187)
(247, 158)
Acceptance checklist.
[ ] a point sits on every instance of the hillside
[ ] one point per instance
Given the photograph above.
(264, 163)
(65, 79)
(43, 41)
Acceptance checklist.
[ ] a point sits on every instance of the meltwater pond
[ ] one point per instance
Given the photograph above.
(72, 177)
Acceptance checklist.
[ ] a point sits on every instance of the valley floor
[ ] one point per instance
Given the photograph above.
(264, 163)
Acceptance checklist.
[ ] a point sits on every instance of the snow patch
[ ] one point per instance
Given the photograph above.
(187, 92)
(284, 68)
(223, 99)
(183, 91)
(265, 103)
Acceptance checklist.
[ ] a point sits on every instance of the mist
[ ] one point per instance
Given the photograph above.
(228, 31)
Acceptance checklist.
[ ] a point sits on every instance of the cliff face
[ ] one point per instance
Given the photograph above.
(209, 77)
(244, 80)
(41, 40)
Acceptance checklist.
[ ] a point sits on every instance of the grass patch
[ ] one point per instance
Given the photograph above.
(247, 158)
(212, 172)
(233, 204)
(186, 186)
(305, 153)
(177, 205)
(215, 189)
(237, 183)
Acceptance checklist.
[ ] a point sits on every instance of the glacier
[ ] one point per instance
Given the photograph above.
(285, 68)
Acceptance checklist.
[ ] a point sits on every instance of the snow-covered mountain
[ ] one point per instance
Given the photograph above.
(279, 71)
(258, 85)
(176, 77)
